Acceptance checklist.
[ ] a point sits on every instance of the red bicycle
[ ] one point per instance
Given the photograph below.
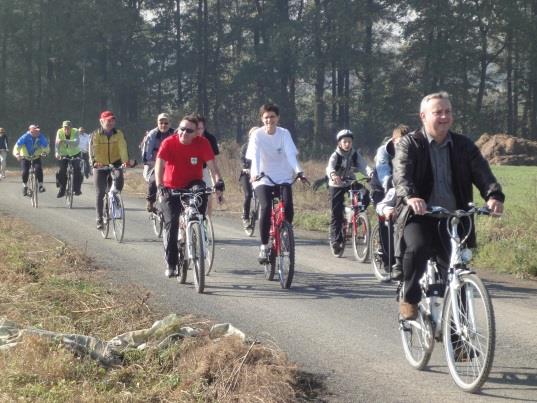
(282, 239)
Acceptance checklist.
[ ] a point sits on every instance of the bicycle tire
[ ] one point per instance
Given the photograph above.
(471, 355)
(156, 219)
(34, 190)
(197, 258)
(182, 265)
(118, 218)
(209, 244)
(69, 190)
(360, 237)
(286, 258)
(105, 218)
(417, 339)
(377, 263)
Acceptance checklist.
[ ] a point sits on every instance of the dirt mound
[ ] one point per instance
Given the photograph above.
(502, 149)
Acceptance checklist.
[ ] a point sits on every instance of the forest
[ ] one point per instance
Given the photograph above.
(328, 64)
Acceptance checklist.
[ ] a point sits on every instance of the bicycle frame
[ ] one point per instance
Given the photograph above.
(276, 219)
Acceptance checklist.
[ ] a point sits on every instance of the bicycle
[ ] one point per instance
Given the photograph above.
(209, 243)
(456, 309)
(113, 207)
(254, 215)
(157, 221)
(33, 185)
(192, 238)
(282, 239)
(69, 193)
(356, 223)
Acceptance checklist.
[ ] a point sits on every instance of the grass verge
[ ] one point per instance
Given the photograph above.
(47, 285)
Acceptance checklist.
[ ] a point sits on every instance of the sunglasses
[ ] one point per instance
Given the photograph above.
(186, 129)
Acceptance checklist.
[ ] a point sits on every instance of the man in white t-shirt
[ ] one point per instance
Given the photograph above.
(272, 152)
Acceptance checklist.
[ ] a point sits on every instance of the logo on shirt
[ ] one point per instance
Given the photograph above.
(194, 160)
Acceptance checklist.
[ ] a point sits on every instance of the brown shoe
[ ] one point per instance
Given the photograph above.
(408, 311)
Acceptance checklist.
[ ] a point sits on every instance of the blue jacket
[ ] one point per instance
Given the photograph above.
(27, 146)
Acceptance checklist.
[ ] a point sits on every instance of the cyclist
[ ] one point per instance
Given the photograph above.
(107, 146)
(272, 152)
(434, 166)
(179, 165)
(150, 146)
(33, 143)
(84, 139)
(342, 165)
(202, 131)
(245, 181)
(4, 147)
(380, 184)
(67, 145)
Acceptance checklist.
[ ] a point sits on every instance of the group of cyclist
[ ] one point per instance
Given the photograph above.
(431, 166)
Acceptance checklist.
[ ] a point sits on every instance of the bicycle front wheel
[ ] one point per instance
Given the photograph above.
(376, 251)
(197, 258)
(106, 218)
(360, 237)
(417, 338)
(118, 217)
(209, 244)
(469, 352)
(286, 258)
(69, 191)
(33, 188)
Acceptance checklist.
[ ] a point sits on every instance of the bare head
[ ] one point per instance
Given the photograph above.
(398, 132)
(436, 115)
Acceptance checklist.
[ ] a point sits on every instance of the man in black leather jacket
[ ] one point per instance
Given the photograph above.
(434, 166)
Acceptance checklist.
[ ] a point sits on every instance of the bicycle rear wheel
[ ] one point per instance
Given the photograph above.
(360, 237)
(69, 190)
(198, 260)
(118, 217)
(470, 354)
(286, 258)
(209, 244)
(376, 256)
(270, 267)
(417, 338)
(105, 217)
(33, 189)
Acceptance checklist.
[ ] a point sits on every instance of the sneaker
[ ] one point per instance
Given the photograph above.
(171, 271)
(263, 254)
(78, 193)
(245, 223)
(408, 311)
(61, 193)
(100, 224)
(336, 248)
(41, 189)
(397, 272)
(25, 191)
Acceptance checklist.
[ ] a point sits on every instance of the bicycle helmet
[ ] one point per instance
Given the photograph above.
(344, 133)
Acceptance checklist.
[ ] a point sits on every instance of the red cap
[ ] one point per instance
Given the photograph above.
(107, 115)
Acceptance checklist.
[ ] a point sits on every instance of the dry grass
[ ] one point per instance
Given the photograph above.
(45, 284)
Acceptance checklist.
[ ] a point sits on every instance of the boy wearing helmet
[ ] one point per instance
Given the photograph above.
(342, 165)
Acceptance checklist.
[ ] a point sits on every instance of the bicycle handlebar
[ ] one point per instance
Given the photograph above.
(441, 212)
(297, 177)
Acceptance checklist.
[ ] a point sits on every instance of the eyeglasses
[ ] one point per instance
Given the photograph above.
(186, 129)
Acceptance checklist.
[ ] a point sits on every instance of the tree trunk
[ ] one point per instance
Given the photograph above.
(509, 79)
(178, 54)
(318, 124)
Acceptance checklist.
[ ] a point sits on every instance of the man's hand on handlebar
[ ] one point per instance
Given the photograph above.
(495, 207)
(302, 178)
(418, 205)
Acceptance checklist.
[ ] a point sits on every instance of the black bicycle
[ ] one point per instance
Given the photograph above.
(113, 208)
(69, 192)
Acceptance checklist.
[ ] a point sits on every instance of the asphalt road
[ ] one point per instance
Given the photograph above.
(337, 322)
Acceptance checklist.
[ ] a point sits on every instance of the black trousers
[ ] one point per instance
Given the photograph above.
(172, 208)
(25, 168)
(102, 181)
(151, 194)
(264, 194)
(337, 198)
(246, 186)
(61, 175)
(422, 239)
